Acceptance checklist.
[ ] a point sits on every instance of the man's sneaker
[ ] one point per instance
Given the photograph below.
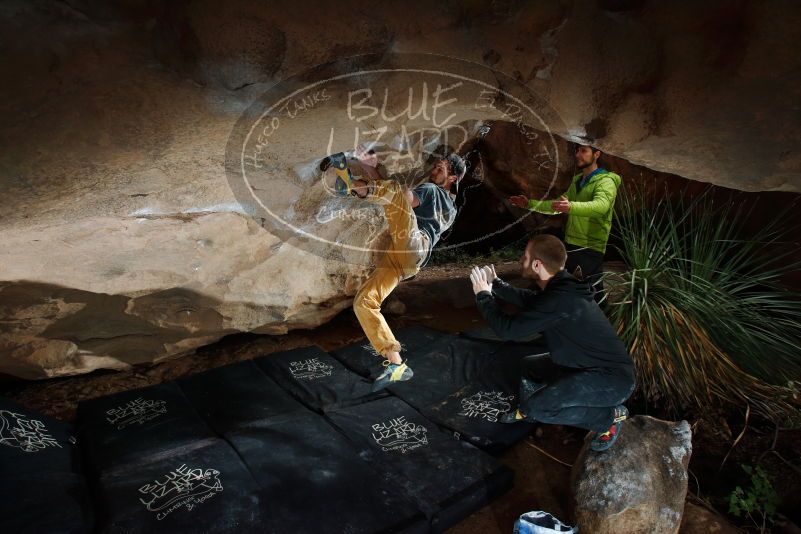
(394, 372)
(512, 417)
(603, 440)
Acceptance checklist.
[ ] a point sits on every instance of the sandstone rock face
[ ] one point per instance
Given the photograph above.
(121, 241)
(637, 486)
(110, 292)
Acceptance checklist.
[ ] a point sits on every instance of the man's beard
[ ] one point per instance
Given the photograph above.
(584, 166)
(530, 274)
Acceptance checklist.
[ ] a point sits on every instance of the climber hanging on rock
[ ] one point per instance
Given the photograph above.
(588, 373)
(416, 217)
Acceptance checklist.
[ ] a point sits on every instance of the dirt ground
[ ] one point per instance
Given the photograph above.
(441, 297)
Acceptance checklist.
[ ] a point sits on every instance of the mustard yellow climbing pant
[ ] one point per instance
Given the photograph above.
(401, 260)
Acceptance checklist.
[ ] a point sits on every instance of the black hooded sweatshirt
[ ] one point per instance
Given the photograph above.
(576, 331)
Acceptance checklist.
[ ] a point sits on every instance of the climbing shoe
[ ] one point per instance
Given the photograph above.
(394, 372)
(512, 417)
(603, 440)
(344, 183)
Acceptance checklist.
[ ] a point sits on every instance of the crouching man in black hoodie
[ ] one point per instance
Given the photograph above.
(588, 374)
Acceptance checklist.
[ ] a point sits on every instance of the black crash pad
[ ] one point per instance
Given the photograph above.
(237, 395)
(443, 368)
(449, 478)
(138, 426)
(314, 481)
(360, 358)
(51, 503)
(465, 384)
(205, 489)
(316, 378)
(472, 409)
(32, 442)
(42, 488)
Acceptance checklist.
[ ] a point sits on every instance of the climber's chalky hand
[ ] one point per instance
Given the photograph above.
(365, 156)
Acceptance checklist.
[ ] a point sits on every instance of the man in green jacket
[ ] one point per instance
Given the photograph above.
(589, 203)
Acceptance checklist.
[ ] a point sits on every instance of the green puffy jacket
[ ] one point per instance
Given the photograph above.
(590, 218)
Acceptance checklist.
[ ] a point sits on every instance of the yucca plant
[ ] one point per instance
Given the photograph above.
(701, 307)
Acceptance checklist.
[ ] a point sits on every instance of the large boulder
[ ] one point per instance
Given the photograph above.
(637, 486)
(121, 241)
(700, 520)
(108, 292)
